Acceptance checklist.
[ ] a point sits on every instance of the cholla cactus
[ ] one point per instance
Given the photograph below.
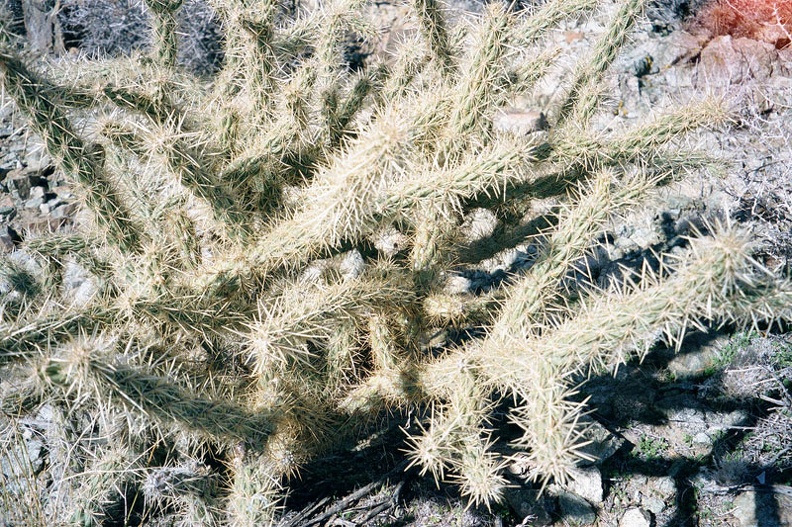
(241, 311)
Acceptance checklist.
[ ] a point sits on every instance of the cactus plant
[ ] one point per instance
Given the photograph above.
(245, 307)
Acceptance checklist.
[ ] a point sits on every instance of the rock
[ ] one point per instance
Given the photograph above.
(7, 205)
(772, 506)
(750, 368)
(664, 486)
(702, 357)
(575, 510)
(653, 504)
(34, 203)
(18, 186)
(6, 244)
(79, 283)
(702, 439)
(602, 444)
(587, 483)
(389, 241)
(527, 504)
(727, 61)
(456, 284)
(636, 517)
(64, 192)
(479, 224)
(20, 181)
(45, 225)
(520, 122)
(35, 453)
(680, 47)
(657, 491)
(351, 265)
(37, 192)
(65, 210)
(8, 239)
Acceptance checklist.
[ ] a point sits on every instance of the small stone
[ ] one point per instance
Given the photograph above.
(528, 505)
(19, 187)
(479, 224)
(63, 192)
(65, 210)
(636, 517)
(44, 208)
(575, 510)
(653, 504)
(520, 123)
(37, 192)
(22, 180)
(587, 483)
(6, 243)
(702, 439)
(456, 284)
(602, 444)
(34, 203)
(6, 205)
(352, 265)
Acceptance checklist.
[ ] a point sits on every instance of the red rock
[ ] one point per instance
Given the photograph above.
(727, 61)
(765, 20)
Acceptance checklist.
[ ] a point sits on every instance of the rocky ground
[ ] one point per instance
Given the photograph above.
(702, 437)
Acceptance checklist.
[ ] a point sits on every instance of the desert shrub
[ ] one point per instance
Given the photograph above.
(768, 20)
(271, 249)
